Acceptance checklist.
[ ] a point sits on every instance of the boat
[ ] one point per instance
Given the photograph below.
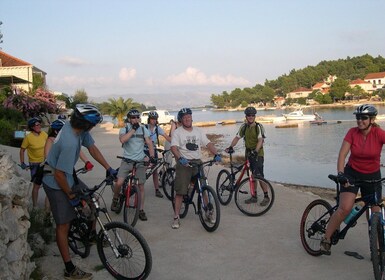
(299, 115)
(318, 120)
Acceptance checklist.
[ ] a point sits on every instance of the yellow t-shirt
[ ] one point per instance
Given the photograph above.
(35, 146)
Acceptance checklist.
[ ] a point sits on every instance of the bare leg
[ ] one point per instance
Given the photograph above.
(141, 188)
(62, 241)
(35, 194)
(178, 204)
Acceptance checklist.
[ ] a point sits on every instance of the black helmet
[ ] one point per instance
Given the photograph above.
(61, 117)
(153, 115)
(366, 109)
(182, 112)
(133, 113)
(89, 113)
(57, 124)
(33, 121)
(250, 111)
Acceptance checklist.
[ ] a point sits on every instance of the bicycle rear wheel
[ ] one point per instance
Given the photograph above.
(132, 206)
(313, 225)
(209, 210)
(185, 204)
(78, 237)
(257, 205)
(224, 191)
(377, 246)
(167, 180)
(134, 260)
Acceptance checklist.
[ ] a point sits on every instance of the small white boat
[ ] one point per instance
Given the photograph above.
(299, 115)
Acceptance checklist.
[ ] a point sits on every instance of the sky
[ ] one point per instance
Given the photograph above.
(179, 53)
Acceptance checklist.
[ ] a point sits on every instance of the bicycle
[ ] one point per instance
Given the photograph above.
(207, 201)
(166, 173)
(129, 196)
(317, 215)
(227, 184)
(122, 250)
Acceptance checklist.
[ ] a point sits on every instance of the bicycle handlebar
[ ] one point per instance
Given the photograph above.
(89, 191)
(145, 163)
(337, 179)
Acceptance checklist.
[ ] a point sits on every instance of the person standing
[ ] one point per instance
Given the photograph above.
(155, 131)
(186, 143)
(59, 177)
(253, 134)
(364, 144)
(34, 144)
(133, 137)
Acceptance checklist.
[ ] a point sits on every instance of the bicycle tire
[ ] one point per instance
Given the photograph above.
(224, 191)
(168, 178)
(78, 237)
(311, 232)
(131, 206)
(377, 246)
(134, 260)
(242, 194)
(212, 206)
(185, 204)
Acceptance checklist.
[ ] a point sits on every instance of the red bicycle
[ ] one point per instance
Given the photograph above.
(249, 193)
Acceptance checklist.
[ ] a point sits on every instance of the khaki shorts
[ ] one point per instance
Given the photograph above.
(125, 169)
(183, 176)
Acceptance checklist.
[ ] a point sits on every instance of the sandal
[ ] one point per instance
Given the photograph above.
(354, 254)
(325, 246)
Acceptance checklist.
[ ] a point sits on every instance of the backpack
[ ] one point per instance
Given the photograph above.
(258, 125)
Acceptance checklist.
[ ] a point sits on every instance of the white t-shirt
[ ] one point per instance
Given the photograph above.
(189, 143)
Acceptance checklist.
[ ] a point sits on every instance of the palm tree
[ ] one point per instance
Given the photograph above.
(118, 108)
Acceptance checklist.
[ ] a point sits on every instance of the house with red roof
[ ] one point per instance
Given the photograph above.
(322, 87)
(376, 79)
(17, 72)
(365, 85)
(299, 93)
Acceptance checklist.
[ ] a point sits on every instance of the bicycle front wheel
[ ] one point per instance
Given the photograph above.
(377, 246)
(132, 206)
(167, 180)
(185, 204)
(313, 225)
(132, 259)
(223, 186)
(209, 210)
(254, 205)
(78, 237)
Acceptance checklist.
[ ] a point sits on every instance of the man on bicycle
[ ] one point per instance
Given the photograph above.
(253, 134)
(155, 131)
(186, 143)
(59, 178)
(133, 137)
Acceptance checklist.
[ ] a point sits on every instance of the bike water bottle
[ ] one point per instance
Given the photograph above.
(352, 213)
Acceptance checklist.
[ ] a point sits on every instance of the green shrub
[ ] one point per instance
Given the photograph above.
(11, 115)
(6, 132)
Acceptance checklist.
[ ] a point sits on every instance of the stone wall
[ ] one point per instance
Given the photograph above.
(15, 252)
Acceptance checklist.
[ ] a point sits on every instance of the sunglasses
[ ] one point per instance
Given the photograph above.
(362, 117)
(37, 124)
(250, 115)
(134, 117)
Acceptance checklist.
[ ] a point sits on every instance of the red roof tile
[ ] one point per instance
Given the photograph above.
(375, 75)
(359, 81)
(9, 61)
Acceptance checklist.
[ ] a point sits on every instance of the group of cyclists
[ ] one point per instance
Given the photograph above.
(66, 137)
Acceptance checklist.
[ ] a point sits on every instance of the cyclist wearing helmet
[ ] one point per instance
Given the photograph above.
(253, 134)
(34, 144)
(186, 143)
(155, 131)
(364, 143)
(59, 179)
(133, 137)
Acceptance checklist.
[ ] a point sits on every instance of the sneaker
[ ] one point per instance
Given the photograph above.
(158, 193)
(175, 223)
(252, 199)
(115, 204)
(265, 201)
(142, 215)
(77, 273)
(325, 246)
(209, 217)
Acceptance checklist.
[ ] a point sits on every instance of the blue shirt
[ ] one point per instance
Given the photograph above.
(65, 152)
(134, 148)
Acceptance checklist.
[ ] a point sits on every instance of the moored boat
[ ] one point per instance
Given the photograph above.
(299, 115)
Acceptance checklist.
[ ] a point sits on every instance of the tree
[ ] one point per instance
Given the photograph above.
(79, 97)
(118, 108)
(339, 88)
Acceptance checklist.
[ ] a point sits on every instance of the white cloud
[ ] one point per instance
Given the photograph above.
(76, 82)
(127, 74)
(194, 77)
(72, 61)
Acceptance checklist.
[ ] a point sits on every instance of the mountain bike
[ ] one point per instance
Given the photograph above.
(166, 173)
(251, 186)
(129, 196)
(207, 201)
(317, 215)
(122, 250)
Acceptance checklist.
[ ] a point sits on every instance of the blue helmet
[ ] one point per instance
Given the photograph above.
(57, 124)
(31, 122)
(182, 112)
(89, 113)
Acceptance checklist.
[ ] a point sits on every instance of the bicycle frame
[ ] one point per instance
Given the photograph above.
(244, 168)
